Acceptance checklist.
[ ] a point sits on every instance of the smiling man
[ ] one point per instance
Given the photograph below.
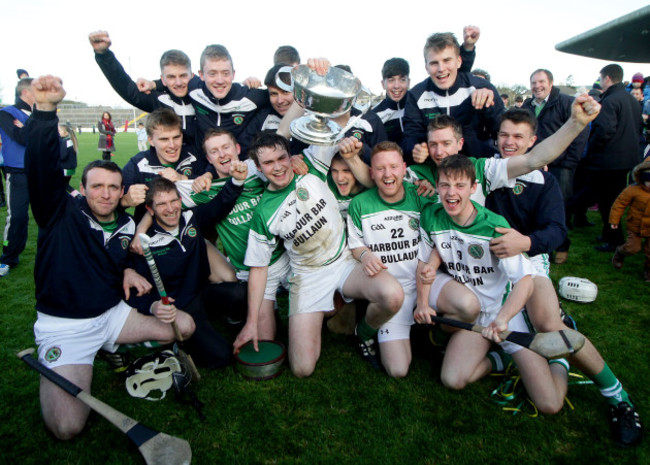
(552, 109)
(383, 229)
(473, 101)
(167, 156)
(301, 213)
(175, 73)
(81, 272)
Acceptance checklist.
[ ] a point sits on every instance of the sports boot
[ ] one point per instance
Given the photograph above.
(617, 259)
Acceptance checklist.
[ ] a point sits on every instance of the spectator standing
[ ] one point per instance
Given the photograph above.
(106, 130)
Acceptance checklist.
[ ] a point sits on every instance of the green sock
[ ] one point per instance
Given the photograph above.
(610, 387)
(365, 331)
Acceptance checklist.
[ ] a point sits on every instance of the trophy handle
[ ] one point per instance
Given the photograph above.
(285, 70)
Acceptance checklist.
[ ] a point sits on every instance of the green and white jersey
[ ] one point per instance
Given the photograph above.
(233, 230)
(465, 253)
(491, 174)
(390, 230)
(304, 216)
(343, 200)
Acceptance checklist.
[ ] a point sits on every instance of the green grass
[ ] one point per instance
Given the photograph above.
(345, 412)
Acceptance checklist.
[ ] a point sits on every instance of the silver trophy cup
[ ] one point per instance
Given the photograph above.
(323, 97)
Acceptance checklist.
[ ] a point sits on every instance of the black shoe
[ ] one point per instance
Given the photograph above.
(605, 247)
(119, 362)
(625, 424)
(369, 351)
(567, 319)
(617, 260)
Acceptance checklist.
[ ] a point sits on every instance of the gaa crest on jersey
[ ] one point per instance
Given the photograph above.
(191, 232)
(237, 119)
(302, 194)
(53, 354)
(518, 189)
(358, 134)
(414, 224)
(475, 251)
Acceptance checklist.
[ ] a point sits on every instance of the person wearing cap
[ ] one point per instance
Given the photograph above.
(22, 73)
(639, 82)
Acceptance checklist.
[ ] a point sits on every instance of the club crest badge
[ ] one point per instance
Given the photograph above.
(414, 224)
(475, 251)
(191, 232)
(518, 189)
(53, 354)
(238, 119)
(302, 194)
(357, 134)
(187, 172)
(124, 242)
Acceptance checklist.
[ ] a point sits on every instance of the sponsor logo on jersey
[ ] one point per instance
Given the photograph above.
(393, 218)
(302, 194)
(191, 232)
(518, 189)
(475, 251)
(237, 119)
(53, 354)
(456, 238)
(414, 224)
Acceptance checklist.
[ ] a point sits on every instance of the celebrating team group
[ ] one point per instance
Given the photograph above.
(434, 203)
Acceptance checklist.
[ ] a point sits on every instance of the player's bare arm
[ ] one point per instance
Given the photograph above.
(516, 300)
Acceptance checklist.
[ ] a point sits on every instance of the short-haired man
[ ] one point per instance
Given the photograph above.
(612, 150)
(383, 229)
(222, 151)
(457, 232)
(473, 101)
(396, 82)
(445, 138)
(80, 273)
(533, 209)
(519, 101)
(14, 139)
(221, 102)
(268, 119)
(286, 55)
(167, 156)
(182, 259)
(301, 213)
(175, 74)
(552, 109)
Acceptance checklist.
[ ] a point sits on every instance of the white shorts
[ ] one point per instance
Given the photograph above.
(436, 288)
(541, 265)
(314, 291)
(277, 275)
(70, 341)
(517, 323)
(399, 327)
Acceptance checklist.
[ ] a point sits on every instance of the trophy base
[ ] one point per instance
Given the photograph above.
(314, 131)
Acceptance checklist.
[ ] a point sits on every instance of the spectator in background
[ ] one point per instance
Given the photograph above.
(478, 72)
(21, 73)
(14, 139)
(519, 101)
(142, 137)
(612, 150)
(106, 145)
(552, 109)
(639, 83)
(506, 100)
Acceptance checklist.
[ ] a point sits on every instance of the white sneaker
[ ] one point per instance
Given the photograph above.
(4, 269)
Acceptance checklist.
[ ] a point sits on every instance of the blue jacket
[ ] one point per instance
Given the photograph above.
(425, 101)
(144, 166)
(555, 113)
(79, 268)
(183, 261)
(13, 137)
(535, 208)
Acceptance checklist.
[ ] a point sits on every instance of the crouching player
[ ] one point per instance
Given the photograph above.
(80, 268)
(457, 233)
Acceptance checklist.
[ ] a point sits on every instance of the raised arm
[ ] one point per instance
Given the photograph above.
(583, 111)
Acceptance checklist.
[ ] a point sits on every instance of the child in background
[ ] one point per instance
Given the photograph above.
(142, 137)
(69, 149)
(637, 197)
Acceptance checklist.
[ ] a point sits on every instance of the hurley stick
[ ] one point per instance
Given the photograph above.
(554, 344)
(185, 358)
(156, 448)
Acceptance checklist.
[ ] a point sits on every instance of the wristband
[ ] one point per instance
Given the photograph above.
(363, 253)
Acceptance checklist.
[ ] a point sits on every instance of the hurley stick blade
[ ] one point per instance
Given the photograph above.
(156, 448)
